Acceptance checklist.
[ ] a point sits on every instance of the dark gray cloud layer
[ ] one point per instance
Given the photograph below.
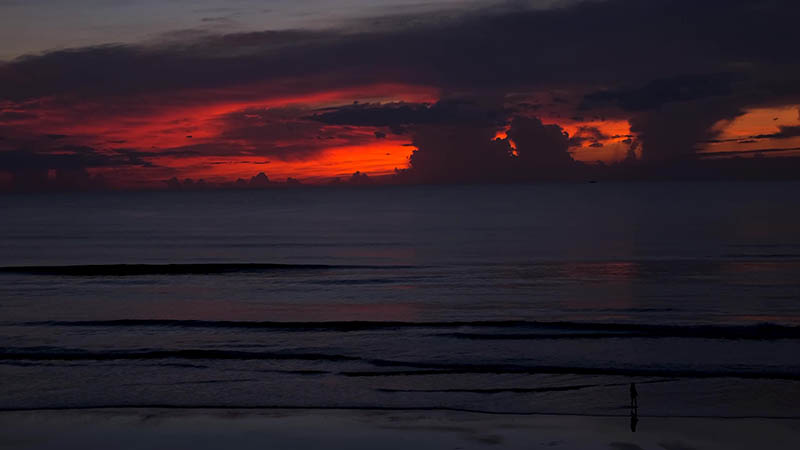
(613, 43)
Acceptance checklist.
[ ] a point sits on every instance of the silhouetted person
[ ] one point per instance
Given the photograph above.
(634, 407)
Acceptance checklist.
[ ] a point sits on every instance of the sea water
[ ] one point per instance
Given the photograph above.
(546, 298)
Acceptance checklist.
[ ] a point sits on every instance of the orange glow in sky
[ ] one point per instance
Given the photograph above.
(221, 135)
(379, 158)
(741, 134)
(613, 149)
(197, 128)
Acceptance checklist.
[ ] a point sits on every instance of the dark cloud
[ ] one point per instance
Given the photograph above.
(590, 42)
(540, 147)
(458, 154)
(64, 169)
(784, 132)
(446, 112)
(189, 184)
(33, 171)
(467, 153)
(68, 157)
(657, 93)
(672, 131)
(260, 180)
(360, 179)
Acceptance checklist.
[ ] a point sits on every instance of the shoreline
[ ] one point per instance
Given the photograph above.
(339, 428)
(388, 409)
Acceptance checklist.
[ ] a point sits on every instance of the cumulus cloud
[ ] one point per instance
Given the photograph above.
(672, 131)
(539, 146)
(452, 153)
(458, 154)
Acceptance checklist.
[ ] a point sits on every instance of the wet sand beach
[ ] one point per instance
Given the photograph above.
(154, 428)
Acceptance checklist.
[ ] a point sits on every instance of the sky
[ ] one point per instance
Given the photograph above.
(175, 93)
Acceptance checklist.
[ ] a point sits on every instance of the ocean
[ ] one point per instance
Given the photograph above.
(541, 298)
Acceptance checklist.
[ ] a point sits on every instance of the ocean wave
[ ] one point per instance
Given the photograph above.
(342, 326)
(386, 367)
(763, 255)
(492, 390)
(37, 354)
(522, 390)
(493, 329)
(424, 368)
(172, 269)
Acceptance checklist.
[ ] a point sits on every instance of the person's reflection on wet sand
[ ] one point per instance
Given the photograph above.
(634, 407)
